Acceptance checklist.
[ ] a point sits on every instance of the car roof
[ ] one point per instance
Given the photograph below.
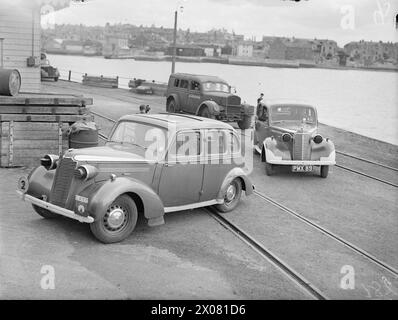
(180, 121)
(198, 77)
(274, 102)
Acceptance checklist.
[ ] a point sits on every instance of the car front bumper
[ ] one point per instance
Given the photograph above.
(302, 162)
(53, 208)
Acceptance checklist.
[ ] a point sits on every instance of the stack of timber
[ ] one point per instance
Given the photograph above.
(101, 81)
(32, 125)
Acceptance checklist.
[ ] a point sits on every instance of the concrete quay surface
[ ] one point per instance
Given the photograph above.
(192, 256)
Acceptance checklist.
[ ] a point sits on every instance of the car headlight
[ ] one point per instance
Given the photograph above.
(318, 139)
(49, 161)
(286, 137)
(86, 172)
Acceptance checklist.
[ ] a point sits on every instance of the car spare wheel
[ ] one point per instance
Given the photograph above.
(245, 123)
(171, 106)
(232, 196)
(117, 222)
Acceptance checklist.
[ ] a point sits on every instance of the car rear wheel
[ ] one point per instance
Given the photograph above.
(324, 171)
(231, 197)
(56, 79)
(171, 106)
(117, 222)
(44, 212)
(205, 113)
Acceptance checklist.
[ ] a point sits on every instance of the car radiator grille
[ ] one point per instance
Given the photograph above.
(62, 181)
(233, 109)
(301, 146)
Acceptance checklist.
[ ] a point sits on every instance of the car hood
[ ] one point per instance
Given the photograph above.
(112, 152)
(295, 127)
(223, 98)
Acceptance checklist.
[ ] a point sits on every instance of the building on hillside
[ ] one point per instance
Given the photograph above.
(369, 52)
(116, 45)
(21, 33)
(294, 49)
(186, 51)
(325, 49)
(244, 49)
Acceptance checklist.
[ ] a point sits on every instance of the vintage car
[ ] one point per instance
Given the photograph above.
(207, 96)
(286, 134)
(150, 165)
(47, 71)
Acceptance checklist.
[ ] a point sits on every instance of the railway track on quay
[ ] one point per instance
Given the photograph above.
(270, 256)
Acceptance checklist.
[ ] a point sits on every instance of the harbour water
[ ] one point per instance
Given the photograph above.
(365, 102)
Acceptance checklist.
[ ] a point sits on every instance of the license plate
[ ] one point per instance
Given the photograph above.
(300, 168)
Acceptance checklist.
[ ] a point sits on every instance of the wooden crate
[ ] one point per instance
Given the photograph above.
(25, 142)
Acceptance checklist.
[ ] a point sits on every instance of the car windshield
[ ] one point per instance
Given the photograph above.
(216, 86)
(293, 113)
(140, 135)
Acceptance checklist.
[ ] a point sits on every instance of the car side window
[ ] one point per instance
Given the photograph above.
(176, 82)
(184, 84)
(195, 86)
(186, 144)
(234, 144)
(216, 142)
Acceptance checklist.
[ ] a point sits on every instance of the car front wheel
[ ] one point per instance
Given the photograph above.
(324, 171)
(205, 113)
(245, 123)
(117, 222)
(171, 106)
(231, 197)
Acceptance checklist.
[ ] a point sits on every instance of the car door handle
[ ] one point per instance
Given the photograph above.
(169, 164)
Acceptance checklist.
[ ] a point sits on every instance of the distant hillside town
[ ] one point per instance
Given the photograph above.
(216, 45)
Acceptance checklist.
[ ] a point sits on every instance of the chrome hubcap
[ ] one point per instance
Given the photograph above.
(231, 193)
(115, 218)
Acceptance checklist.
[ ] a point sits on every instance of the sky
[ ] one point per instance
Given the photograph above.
(340, 20)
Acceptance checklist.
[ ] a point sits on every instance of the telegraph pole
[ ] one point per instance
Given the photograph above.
(173, 63)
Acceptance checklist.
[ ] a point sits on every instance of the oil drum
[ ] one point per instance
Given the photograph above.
(83, 135)
(10, 82)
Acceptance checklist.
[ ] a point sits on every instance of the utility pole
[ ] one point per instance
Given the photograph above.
(173, 63)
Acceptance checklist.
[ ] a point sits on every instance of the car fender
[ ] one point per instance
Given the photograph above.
(40, 182)
(237, 172)
(248, 109)
(214, 108)
(101, 196)
(325, 149)
(272, 149)
(176, 99)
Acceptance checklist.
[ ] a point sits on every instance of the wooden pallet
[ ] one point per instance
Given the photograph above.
(45, 99)
(101, 81)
